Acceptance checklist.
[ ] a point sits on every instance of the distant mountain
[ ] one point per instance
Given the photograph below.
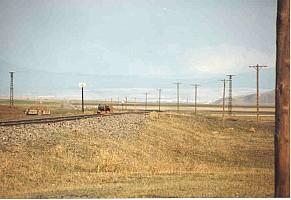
(30, 81)
(266, 98)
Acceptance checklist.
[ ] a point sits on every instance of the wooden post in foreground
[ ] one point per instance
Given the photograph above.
(282, 118)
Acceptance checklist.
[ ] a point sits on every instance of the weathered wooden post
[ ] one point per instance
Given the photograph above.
(282, 118)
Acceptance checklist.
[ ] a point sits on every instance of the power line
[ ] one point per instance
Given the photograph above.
(178, 84)
(257, 67)
(11, 89)
(230, 94)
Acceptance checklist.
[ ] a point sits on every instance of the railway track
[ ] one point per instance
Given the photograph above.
(59, 119)
(78, 117)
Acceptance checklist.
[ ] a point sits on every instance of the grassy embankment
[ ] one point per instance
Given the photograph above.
(173, 156)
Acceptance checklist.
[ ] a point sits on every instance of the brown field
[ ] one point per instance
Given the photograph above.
(158, 155)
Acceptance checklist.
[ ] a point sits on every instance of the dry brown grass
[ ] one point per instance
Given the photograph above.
(172, 156)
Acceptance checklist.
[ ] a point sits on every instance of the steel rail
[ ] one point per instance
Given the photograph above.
(63, 118)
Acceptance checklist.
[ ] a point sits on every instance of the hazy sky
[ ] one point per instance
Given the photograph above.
(164, 37)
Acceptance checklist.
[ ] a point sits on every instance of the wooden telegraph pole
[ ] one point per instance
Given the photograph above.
(117, 102)
(159, 99)
(195, 100)
(223, 97)
(146, 101)
(126, 103)
(257, 67)
(282, 116)
(178, 84)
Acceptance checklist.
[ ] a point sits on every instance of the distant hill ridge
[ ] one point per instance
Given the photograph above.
(266, 98)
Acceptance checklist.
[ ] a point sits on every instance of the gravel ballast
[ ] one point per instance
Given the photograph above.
(118, 126)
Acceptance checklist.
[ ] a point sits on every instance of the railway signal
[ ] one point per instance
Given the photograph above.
(82, 85)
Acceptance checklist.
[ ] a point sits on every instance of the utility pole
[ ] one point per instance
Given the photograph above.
(230, 94)
(146, 101)
(126, 103)
(159, 99)
(196, 86)
(223, 97)
(11, 88)
(282, 116)
(257, 67)
(117, 102)
(178, 84)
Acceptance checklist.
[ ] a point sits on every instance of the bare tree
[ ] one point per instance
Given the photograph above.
(282, 123)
